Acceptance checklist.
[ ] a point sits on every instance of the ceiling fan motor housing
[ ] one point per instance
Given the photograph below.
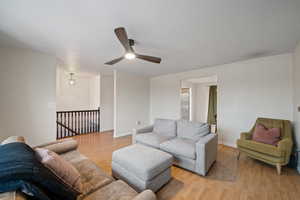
(129, 52)
(131, 42)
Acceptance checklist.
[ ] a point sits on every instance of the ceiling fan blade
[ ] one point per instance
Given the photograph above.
(114, 61)
(149, 58)
(122, 36)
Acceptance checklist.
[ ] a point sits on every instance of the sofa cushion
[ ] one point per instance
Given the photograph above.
(145, 162)
(117, 190)
(151, 139)
(60, 167)
(181, 147)
(165, 127)
(192, 130)
(145, 195)
(73, 156)
(92, 177)
(260, 147)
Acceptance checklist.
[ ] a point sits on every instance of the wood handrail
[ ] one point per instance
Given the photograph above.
(70, 111)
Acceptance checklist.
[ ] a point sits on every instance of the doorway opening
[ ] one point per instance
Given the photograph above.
(199, 101)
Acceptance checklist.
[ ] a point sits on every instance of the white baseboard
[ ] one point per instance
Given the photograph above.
(117, 135)
(107, 130)
(230, 144)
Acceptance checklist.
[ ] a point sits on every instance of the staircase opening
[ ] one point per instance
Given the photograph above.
(77, 103)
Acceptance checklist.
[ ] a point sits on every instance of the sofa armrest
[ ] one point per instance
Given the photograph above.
(206, 152)
(145, 195)
(60, 146)
(146, 129)
(245, 136)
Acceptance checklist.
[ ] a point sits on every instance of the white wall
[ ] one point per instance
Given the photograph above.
(201, 102)
(107, 103)
(27, 103)
(94, 91)
(246, 90)
(131, 102)
(84, 95)
(296, 80)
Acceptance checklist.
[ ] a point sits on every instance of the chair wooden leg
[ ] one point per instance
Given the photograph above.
(278, 166)
(238, 156)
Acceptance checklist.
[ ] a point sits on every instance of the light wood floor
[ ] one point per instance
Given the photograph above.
(228, 178)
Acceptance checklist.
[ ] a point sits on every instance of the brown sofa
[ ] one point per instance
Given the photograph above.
(97, 185)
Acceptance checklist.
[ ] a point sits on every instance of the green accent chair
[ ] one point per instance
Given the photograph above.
(274, 155)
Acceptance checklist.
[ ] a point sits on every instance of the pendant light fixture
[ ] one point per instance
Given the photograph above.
(72, 81)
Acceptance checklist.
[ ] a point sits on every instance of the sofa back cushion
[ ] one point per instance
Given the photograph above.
(166, 127)
(60, 167)
(192, 130)
(60, 146)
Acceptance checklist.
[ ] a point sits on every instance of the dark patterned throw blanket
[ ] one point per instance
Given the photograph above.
(20, 170)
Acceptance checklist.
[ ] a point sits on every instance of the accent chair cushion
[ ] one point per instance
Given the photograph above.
(151, 139)
(166, 127)
(266, 149)
(192, 130)
(266, 135)
(181, 147)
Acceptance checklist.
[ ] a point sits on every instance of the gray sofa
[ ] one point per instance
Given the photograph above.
(97, 185)
(192, 144)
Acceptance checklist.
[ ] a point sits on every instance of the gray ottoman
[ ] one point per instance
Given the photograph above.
(142, 167)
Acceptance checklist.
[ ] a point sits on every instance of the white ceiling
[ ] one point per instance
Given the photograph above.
(186, 34)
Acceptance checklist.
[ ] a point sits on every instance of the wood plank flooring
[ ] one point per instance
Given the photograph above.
(229, 178)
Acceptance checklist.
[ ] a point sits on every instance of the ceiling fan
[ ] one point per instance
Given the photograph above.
(129, 52)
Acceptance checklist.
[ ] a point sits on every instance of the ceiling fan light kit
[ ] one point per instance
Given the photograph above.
(129, 52)
(130, 56)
